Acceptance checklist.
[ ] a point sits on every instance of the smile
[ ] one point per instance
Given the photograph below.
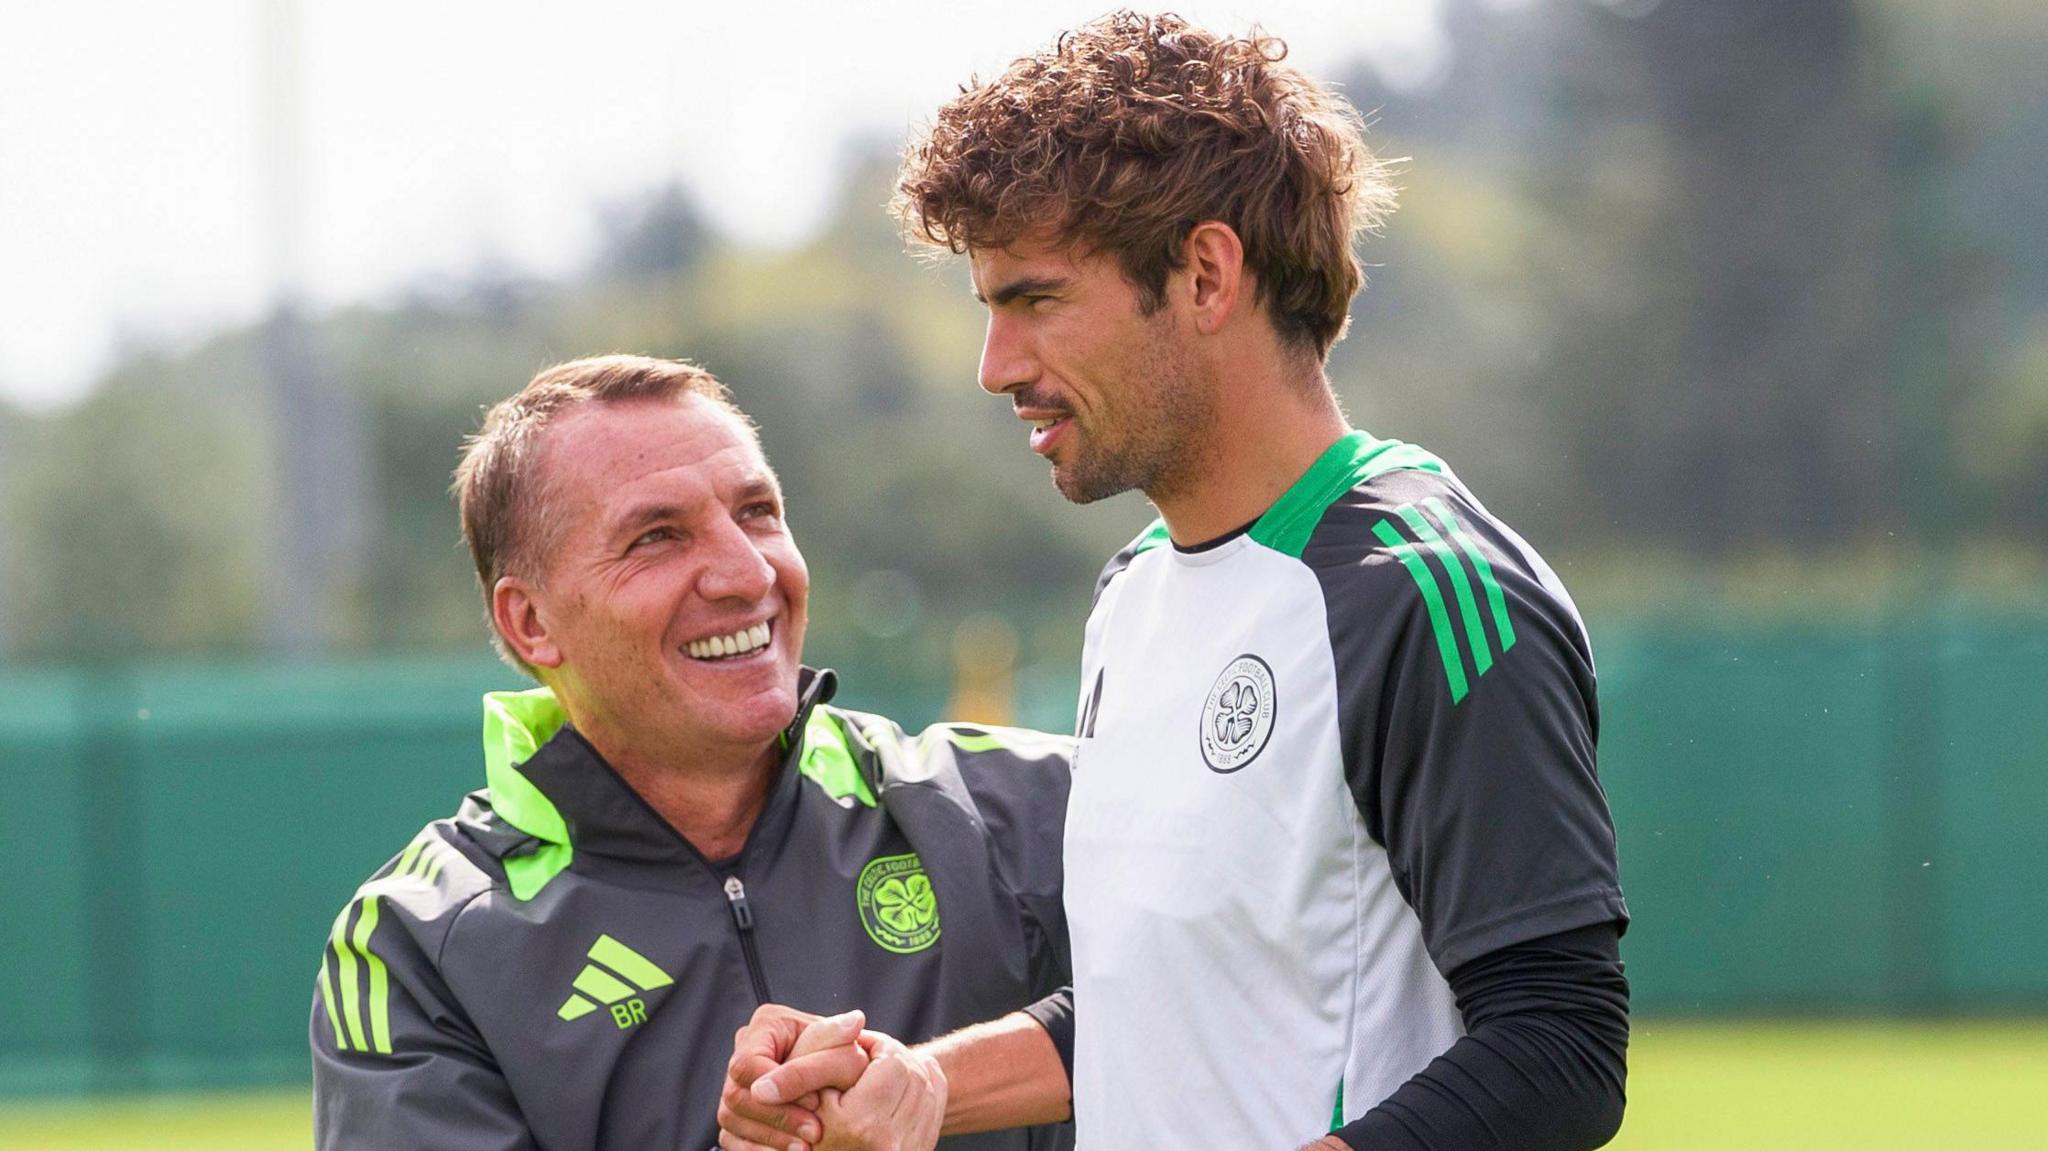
(727, 646)
(1046, 432)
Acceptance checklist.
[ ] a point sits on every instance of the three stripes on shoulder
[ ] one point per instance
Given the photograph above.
(362, 1022)
(1453, 563)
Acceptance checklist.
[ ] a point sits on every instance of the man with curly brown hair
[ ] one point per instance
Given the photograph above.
(1337, 858)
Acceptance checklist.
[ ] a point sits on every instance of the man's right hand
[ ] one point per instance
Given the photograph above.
(800, 1050)
(898, 1105)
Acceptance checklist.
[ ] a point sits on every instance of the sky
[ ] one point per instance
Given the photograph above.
(168, 169)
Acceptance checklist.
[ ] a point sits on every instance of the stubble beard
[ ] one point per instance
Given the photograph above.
(1164, 415)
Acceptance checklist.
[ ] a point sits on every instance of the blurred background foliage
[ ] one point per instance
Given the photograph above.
(1731, 307)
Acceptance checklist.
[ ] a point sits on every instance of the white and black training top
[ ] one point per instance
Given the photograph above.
(1324, 761)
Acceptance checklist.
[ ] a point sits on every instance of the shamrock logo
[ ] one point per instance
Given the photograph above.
(906, 904)
(897, 903)
(1237, 712)
(1237, 716)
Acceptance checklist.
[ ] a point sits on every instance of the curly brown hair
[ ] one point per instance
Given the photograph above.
(1130, 130)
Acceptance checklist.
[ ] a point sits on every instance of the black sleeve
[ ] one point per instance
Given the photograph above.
(1543, 1063)
(1469, 716)
(1055, 1013)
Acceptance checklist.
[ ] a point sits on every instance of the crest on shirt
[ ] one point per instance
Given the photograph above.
(1237, 718)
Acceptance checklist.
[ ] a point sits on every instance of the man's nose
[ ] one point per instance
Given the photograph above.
(1007, 362)
(736, 568)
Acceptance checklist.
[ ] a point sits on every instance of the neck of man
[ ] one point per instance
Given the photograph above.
(1274, 416)
(710, 795)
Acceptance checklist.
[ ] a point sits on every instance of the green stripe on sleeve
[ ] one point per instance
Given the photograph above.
(345, 973)
(380, 979)
(629, 963)
(1494, 598)
(411, 856)
(1433, 597)
(440, 854)
(327, 997)
(1468, 609)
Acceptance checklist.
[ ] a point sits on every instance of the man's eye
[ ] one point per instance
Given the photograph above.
(762, 510)
(653, 536)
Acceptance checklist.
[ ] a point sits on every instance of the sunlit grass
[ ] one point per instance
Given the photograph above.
(1692, 1087)
(271, 1120)
(1817, 1087)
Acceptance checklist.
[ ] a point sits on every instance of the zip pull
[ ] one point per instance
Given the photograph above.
(736, 895)
(743, 918)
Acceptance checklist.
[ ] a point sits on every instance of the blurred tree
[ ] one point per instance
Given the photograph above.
(1673, 285)
(659, 234)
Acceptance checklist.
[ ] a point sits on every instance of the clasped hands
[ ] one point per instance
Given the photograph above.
(799, 1082)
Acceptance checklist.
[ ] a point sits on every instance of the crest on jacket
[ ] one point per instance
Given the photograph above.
(897, 904)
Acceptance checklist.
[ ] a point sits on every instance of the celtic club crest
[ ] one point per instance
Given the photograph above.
(897, 904)
(1237, 718)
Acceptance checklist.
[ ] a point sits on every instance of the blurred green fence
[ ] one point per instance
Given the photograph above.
(1825, 820)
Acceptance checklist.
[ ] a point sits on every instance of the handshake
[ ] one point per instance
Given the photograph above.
(800, 1082)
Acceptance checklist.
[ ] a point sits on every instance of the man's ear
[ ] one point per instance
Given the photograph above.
(1213, 264)
(517, 615)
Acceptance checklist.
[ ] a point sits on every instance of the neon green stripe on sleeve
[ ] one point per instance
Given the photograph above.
(327, 997)
(1494, 598)
(1433, 598)
(345, 972)
(1468, 609)
(411, 855)
(380, 979)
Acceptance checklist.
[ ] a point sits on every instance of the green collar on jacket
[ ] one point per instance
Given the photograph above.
(518, 723)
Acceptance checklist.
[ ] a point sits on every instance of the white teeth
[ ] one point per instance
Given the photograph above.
(722, 646)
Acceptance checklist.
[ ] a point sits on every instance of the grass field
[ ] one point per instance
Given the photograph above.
(1692, 1087)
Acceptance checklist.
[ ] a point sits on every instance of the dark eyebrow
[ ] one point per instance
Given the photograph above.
(756, 488)
(633, 521)
(1029, 286)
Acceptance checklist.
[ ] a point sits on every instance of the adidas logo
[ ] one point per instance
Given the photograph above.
(615, 977)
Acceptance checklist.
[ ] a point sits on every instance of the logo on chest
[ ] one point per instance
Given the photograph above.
(897, 905)
(1237, 717)
(615, 977)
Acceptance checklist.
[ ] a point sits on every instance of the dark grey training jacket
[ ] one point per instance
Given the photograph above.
(556, 968)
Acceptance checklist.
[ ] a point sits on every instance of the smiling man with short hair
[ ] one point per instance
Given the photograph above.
(677, 826)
